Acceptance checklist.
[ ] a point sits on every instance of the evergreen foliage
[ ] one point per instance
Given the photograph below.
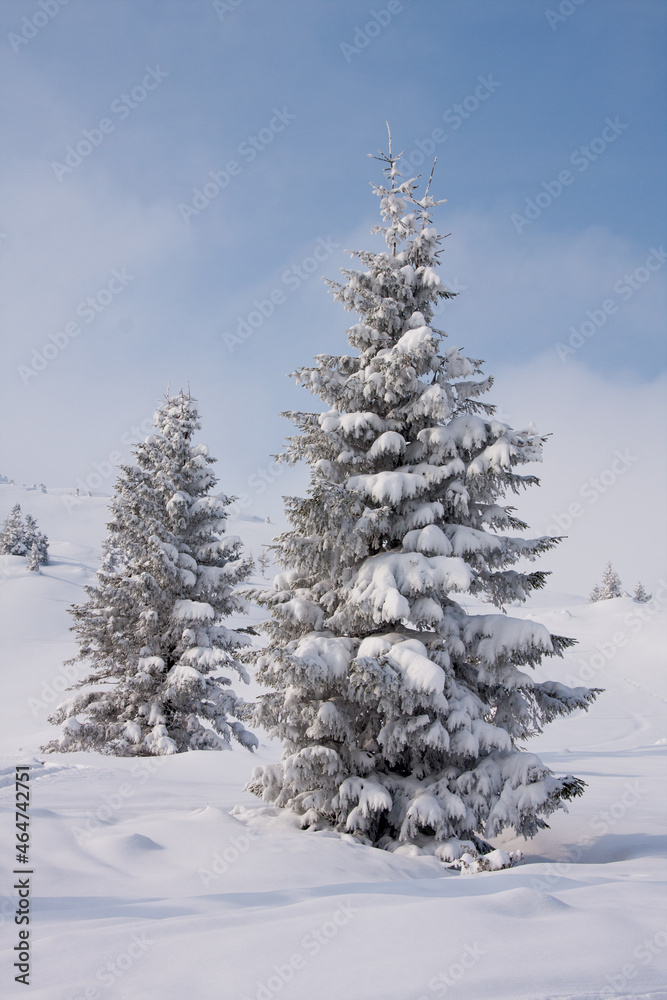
(609, 586)
(402, 716)
(153, 626)
(33, 559)
(12, 533)
(19, 536)
(35, 540)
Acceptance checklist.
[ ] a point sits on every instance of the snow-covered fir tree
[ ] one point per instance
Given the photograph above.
(263, 562)
(18, 536)
(12, 533)
(36, 539)
(610, 586)
(153, 626)
(640, 594)
(402, 716)
(34, 560)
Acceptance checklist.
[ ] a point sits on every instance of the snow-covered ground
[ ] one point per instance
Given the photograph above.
(161, 879)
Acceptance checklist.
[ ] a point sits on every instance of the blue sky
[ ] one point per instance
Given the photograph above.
(216, 75)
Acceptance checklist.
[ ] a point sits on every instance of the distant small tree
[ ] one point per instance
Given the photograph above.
(33, 559)
(609, 587)
(640, 594)
(35, 539)
(18, 536)
(263, 563)
(12, 533)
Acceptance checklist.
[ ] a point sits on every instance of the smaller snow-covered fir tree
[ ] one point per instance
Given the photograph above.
(263, 562)
(640, 594)
(152, 627)
(33, 559)
(19, 536)
(12, 534)
(35, 539)
(609, 587)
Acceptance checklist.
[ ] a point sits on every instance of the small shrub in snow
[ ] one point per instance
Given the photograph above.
(640, 594)
(153, 626)
(471, 862)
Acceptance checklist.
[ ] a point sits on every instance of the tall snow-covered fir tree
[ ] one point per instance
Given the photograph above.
(153, 626)
(402, 716)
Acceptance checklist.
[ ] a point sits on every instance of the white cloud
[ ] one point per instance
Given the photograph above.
(603, 474)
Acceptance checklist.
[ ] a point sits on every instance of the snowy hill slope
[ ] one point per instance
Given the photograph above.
(162, 878)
